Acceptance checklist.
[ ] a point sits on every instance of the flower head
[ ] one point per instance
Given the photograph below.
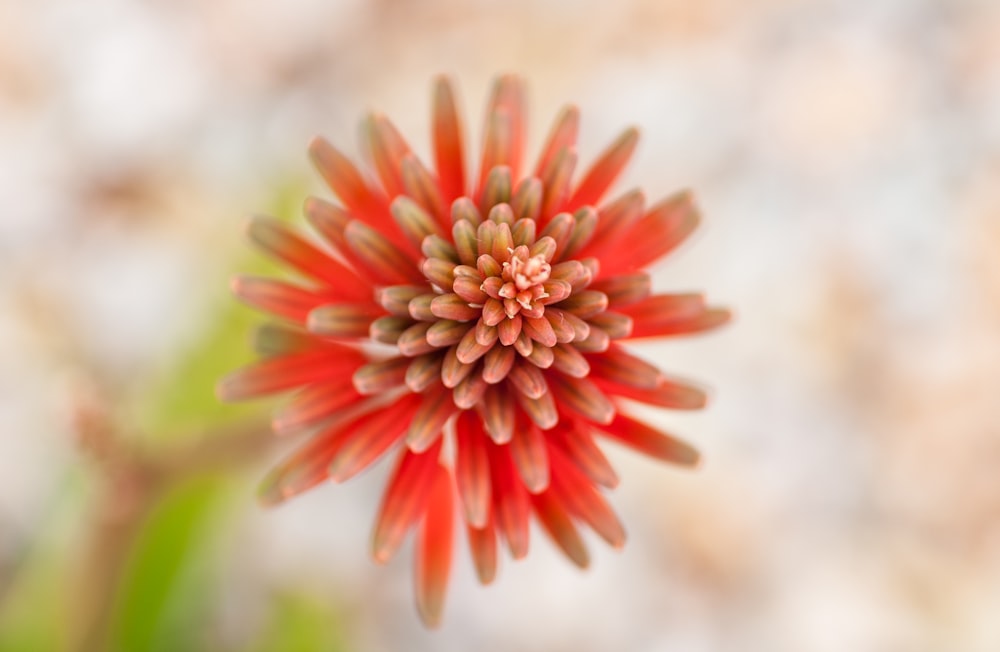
(473, 329)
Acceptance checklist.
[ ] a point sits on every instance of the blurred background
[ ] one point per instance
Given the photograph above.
(846, 155)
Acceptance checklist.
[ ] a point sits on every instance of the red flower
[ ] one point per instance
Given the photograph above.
(473, 329)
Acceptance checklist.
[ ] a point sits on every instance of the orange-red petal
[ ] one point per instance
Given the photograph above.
(404, 500)
(449, 156)
(605, 169)
(559, 526)
(426, 423)
(530, 456)
(664, 227)
(315, 403)
(472, 469)
(434, 546)
(281, 373)
(371, 435)
(511, 503)
(483, 549)
(278, 297)
(580, 498)
(650, 441)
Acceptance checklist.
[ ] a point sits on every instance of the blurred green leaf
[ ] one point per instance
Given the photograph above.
(300, 623)
(184, 400)
(187, 404)
(164, 603)
(30, 610)
(165, 593)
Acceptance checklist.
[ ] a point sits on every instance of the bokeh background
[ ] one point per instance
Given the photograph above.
(846, 155)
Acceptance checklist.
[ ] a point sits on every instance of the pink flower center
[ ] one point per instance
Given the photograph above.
(522, 278)
(524, 271)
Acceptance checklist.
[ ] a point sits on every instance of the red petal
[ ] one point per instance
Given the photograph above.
(596, 341)
(615, 221)
(448, 148)
(528, 380)
(582, 397)
(665, 226)
(314, 404)
(371, 435)
(469, 349)
(662, 311)
(446, 332)
(413, 341)
(540, 330)
(497, 412)
(605, 169)
(663, 325)
(511, 98)
(648, 440)
(510, 500)
(496, 189)
(584, 225)
(668, 393)
(345, 180)
(343, 320)
(452, 306)
(581, 499)
(433, 556)
(425, 425)
(529, 453)
(556, 185)
(503, 239)
(560, 528)
(498, 363)
(585, 304)
(472, 470)
(424, 371)
(542, 410)
(561, 137)
(570, 361)
(331, 220)
(470, 392)
(396, 298)
(386, 262)
(381, 376)
(421, 185)
(282, 373)
(503, 142)
(278, 297)
(615, 324)
(415, 222)
(280, 339)
(624, 289)
(387, 149)
(463, 234)
(559, 228)
(579, 447)
(624, 368)
(541, 356)
(469, 289)
(305, 468)
(388, 330)
(404, 500)
(527, 199)
(282, 243)
(483, 548)
(525, 232)
(453, 370)
(508, 329)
